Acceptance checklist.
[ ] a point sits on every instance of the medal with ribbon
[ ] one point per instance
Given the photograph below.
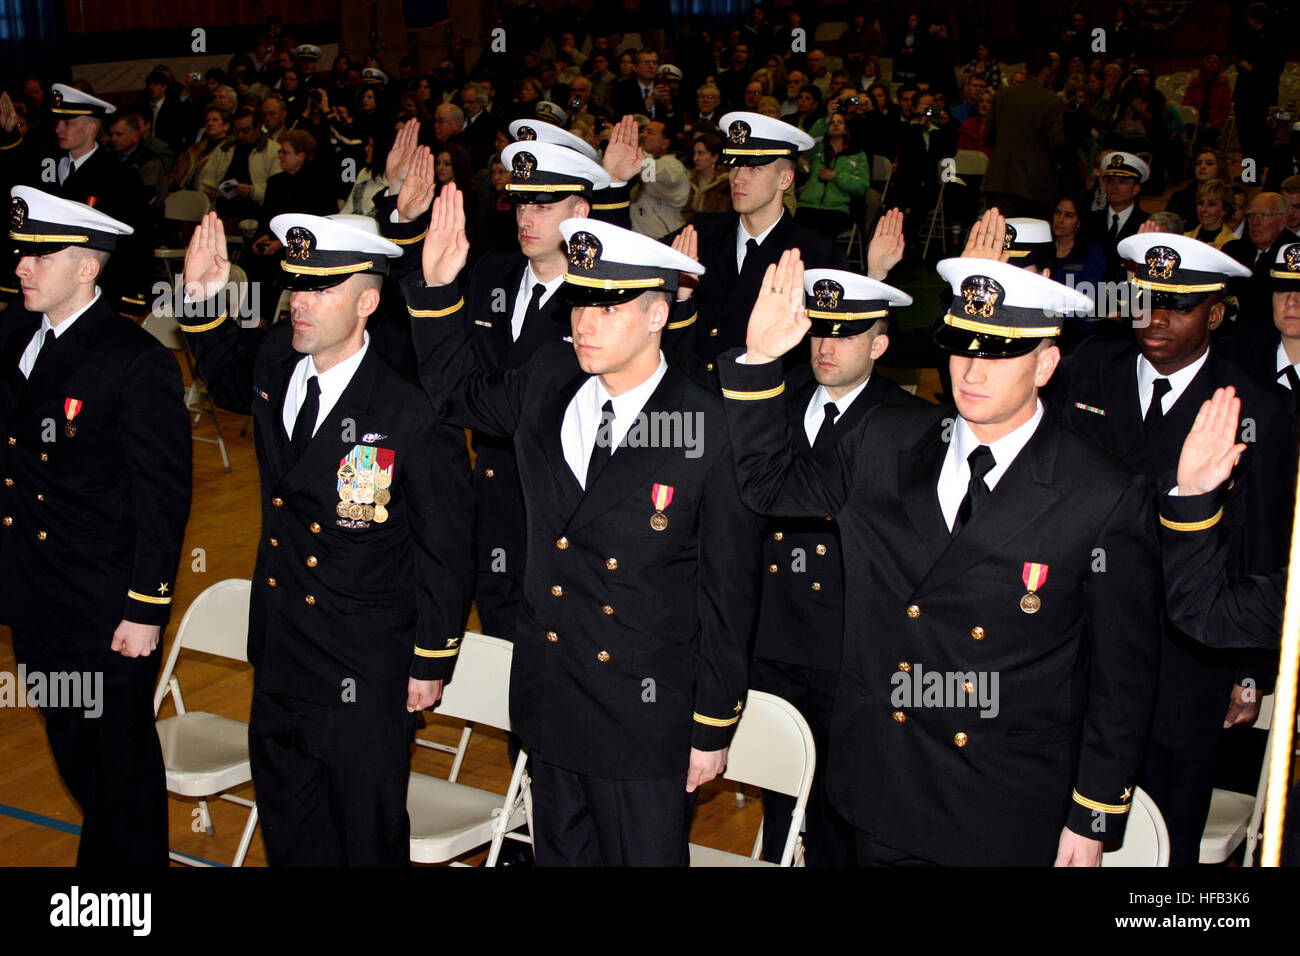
(661, 496)
(364, 478)
(1034, 576)
(71, 408)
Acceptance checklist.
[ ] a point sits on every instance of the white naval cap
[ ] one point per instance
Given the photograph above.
(1284, 276)
(544, 173)
(669, 72)
(307, 51)
(1120, 163)
(752, 139)
(40, 223)
(322, 251)
(1029, 241)
(999, 310)
(841, 303)
(609, 264)
(69, 101)
(374, 77)
(551, 112)
(528, 131)
(1181, 270)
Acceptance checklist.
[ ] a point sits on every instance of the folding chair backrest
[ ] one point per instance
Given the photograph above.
(186, 205)
(881, 168)
(239, 279)
(773, 746)
(971, 162)
(1190, 114)
(216, 622)
(164, 327)
(1146, 838)
(479, 690)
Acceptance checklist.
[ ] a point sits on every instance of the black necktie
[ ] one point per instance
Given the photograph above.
(1155, 411)
(1292, 379)
(981, 462)
(534, 307)
(1113, 234)
(305, 423)
(603, 447)
(751, 247)
(47, 344)
(824, 432)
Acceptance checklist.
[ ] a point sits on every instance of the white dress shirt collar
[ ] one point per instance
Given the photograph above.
(954, 477)
(332, 384)
(1178, 382)
(37, 340)
(526, 283)
(1284, 362)
(583, 416)
(1123, 216)
(815, 414)
(742, 235)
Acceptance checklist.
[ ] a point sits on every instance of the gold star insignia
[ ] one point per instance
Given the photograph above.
(453, 641)
(739, 706)
(1126, 795)
(162, 587)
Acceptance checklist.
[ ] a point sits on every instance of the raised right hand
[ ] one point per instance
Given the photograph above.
(445, 247)
(778, 322)
(399, 157)
(1211, 447)
(8, 115)
(417, 190)
(207, 269)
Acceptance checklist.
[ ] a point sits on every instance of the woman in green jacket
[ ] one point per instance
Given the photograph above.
(840, 170)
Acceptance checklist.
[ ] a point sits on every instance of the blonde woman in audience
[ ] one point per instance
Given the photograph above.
(1213, 202)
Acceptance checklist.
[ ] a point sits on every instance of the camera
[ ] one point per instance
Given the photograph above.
(575, 103)
(196, 77)
(930, 112)
(843, 106)
(1281, 116)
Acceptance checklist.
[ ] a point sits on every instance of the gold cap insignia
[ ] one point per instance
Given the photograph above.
(522, 165)
(1162, 261)
(584, 250)
(1009, 236)
(1291, 255)
(982, 295)
(827, 292)
(57, 98)
(738, 132)
(527, 133)
(299, 242)
(17, 213)
(1116, 161)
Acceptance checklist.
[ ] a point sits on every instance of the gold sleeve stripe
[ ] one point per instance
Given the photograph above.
(148, 598)
(1209, 522)
(5, 288)
(753, 396)
(684, 322)
(716, 721)
(413, 239)
(133, 300)
(17, 142)
(451, 652)
(205, 327)
(1103, 807)
(605, 206)
(436, 313)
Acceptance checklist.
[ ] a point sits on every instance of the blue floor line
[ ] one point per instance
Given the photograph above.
(63, 826)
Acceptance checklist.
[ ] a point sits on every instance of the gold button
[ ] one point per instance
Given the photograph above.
(8, 521)
(557, 590)
(603, 656)
(41, 536)
(905, 667)
(278, 502)
(489, 473)
(552, 636)
(913, 611)
(968, 686)
(9, 482)
(40, 497)
(311, 561)
(709, 367)
(713, 334)
(609, 611)
(977, 633)
(12, 440)
(900, 716)
(562, 543)
(275, 542)
(270, 582)
(314, 527)
(960, 740)
(821, 549)
(778, 535)
(816, 585)
(44, 457)
(611, 564)
(772, 569)
(309, 599)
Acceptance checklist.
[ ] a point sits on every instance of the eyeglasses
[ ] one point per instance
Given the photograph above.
(1263, 215)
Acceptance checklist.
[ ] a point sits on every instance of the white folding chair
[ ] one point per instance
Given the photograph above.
(1235, 818)
(1146, 838)
(882, 170)
(186, 205)
(773, 749)
(448, 818)
(163, 326)
(206, 754)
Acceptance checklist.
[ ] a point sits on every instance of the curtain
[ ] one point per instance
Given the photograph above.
(31, 38)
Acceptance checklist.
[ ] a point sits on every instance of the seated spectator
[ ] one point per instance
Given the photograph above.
(602, 80)
(1076, 260)
(1211, 94)
(1212, 199)
(125, 134)
(1208, 164)
(1236, 218)
(808, 110)
(795, 83)
(1290, 189)
(859, 42)
(1266, 233)
(972, 90)
(527, 95)
(817, 73)
(985, 64)
(371, 183)
(657, 209)
(710, 184)
(708, 108)
(769, 106)
(1166, 221)
(974, 131)
(497, 230)
(189, 165)
(249, 160)
(451, 165)
(840, 170)
(297, 188)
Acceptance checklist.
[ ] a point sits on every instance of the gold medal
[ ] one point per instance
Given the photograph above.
(1030, 603)
(70, 429)
(342, 509)
(383, 479)
(354, 511)
(366, 494)
(383, 496)
(659, 521)
(367, 512)
(381, 514)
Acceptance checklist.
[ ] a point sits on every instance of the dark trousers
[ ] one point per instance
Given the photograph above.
(871, 852)
(112, 762)
(1179, 769)
(331, 781)
(593, 821)
(828, 839)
